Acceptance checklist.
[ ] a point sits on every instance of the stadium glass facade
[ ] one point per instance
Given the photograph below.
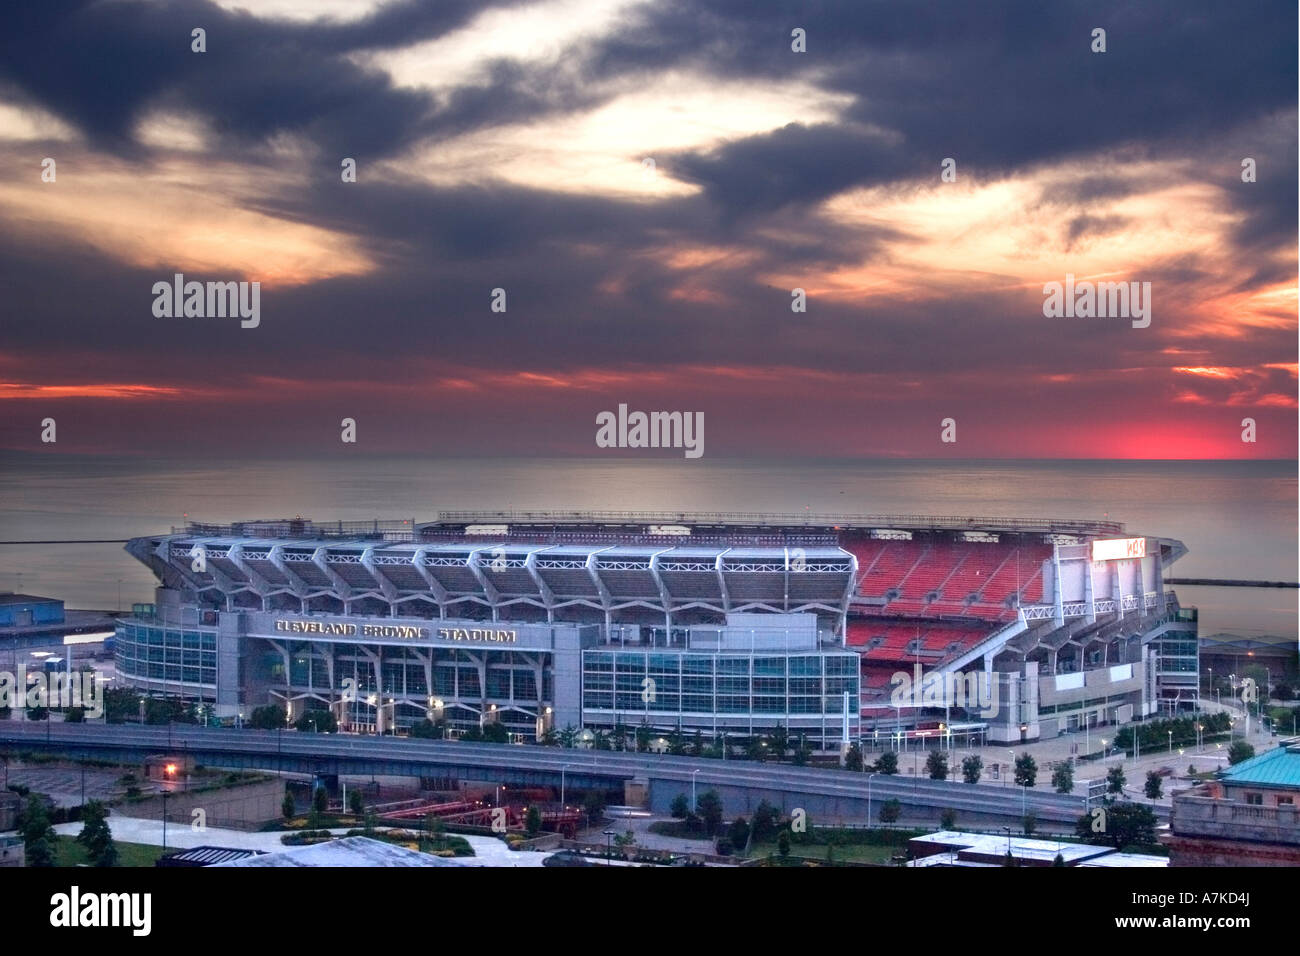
(730, 625)
(156, 656)
(749, 691)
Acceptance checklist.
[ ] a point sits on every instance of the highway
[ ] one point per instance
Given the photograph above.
(743, 782)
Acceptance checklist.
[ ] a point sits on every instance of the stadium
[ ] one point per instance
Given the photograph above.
(717, 624)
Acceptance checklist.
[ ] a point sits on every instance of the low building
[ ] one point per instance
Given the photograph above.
(31, 621)
(954, 848)
(12, 851)
(1248, 816)
(205, 856)
(348, 851)
(10, 806)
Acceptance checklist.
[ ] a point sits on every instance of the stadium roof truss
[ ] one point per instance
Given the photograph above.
(606, 578)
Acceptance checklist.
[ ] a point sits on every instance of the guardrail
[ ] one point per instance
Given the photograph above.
(760, 519)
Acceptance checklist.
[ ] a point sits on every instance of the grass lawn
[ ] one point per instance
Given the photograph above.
(843, 853)
(69, 852)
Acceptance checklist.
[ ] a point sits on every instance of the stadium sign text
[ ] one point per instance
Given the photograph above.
(480, 635)
(1117, 549)
(364, 630)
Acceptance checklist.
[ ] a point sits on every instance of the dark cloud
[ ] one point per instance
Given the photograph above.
(1006, 89)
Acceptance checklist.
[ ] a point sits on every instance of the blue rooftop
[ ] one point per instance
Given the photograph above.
(1279, 767)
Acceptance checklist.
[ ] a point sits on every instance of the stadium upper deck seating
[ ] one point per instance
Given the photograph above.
(934, 579)
(905, 643)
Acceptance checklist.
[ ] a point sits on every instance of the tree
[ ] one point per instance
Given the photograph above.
(1115, 779)
(270, 717)
(593, 804)
(710, 810)
(1030, 823)
(75, 715)
(853, 758)
(496, 733)
(167, 710)
(778, 742)
(287, 805)
(1026, 770)
(120, 704)
(680, 808)
(1152, 788)
(738, 833)
(697, 745)
(533, 821)
(38, 836)
(1063, 778)
(356, 804)
(890, 810)
(429, 729)
(972, 767)
(783, 844)
(321, 721)
(38, 713)
(948, 819)
(766, 820)
(1239, 751)
(887, 763)
(937, 765)
(1121, 825)
(320, 800)
(96, 836)
(568, 736)
(1058, 860)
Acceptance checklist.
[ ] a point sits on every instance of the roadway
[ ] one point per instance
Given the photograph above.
(837, 794)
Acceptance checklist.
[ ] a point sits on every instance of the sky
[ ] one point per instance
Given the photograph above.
(648, 182)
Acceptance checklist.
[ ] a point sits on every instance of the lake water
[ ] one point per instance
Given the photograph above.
(1239, 519)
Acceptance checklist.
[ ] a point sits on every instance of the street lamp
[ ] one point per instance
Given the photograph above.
(869, 776)
(1171, 743)
(609, 835)
(694, 805)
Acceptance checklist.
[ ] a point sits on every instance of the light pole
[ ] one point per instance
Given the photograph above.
(869, 776)
(694, 805)
(562, 769)
(1171, 743)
